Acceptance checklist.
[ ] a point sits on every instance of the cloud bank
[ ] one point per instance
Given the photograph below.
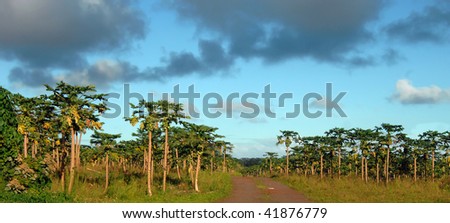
(406, 93)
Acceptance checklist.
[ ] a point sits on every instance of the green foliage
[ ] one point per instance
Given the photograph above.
(10, 139)
(131, 187)
(349, 189)
(445, 184)
(29, 174)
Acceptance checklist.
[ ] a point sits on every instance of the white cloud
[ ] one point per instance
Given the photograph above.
(406, 93)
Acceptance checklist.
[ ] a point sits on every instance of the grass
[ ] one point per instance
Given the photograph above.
(353, 190)
(89, 188)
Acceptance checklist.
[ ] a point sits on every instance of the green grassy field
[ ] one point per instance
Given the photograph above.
(350, 189)
(90, 188)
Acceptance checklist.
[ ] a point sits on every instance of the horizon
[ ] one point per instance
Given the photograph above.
(389, 58)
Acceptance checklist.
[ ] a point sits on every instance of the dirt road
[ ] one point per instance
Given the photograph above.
(262, 190)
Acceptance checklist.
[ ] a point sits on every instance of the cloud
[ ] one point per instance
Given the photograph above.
(430, 25)
(30, 77)
(408, 94)
(102, 73)
(59, 33)
(323, 104)
(275, 31)
(212, 59)
(391, 57)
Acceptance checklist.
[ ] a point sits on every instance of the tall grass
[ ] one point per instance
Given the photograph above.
(132, 188)
(350, 189)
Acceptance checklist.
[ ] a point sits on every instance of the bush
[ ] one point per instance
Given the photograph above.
(29, 174)
(445, 184)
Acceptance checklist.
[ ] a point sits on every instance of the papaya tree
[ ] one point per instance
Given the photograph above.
(287, 138)
(75, 105)
(169, 113)
(106, 143)
(148, 114)
(431, 141)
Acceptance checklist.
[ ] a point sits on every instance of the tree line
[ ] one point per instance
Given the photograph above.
(380, 154)
(41, 136)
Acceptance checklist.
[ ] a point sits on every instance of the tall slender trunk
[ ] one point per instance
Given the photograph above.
(149, 163)
(224, 160)
(178, 166)
(166, 153)
(212, 161)
(152, 171)
(33, 150)
(72, 161)
(145, 165)
(106, 172)
(339, 164)
(78, 150)
(62, 162)
(197, 170)
(321, 166)
(432, 165)
(191, 171)
(367, 169)
(362, 168)
(378, 172)
(270, 166)
(387, 164)
(415, 169)
(287, 161)
(25, 145)
(62, 181)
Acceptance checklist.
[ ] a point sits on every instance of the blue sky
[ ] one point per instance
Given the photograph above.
(390, 57)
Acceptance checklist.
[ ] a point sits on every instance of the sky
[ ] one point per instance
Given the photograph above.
(250, 63)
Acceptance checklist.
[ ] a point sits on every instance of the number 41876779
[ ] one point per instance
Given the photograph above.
(296, 212)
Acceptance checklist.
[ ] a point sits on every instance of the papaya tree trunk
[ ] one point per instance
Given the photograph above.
(197, 171)
(362, 168)
(387, 165)
(415, 169)
(106, 172)
(78, 150)
(166, 153)
(212, 161)
(432, 165)
(339, 163)
(72, 161)
(149, 163)
(378, 172)
(287, 161)
(25, 145)
(321, 166)
(224, 160)
(178, 166)
(367, 170)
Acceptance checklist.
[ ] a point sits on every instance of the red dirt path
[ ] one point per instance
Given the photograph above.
(262, 190)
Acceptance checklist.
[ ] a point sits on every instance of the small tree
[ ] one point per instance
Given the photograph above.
(287, 138)
(106, 143)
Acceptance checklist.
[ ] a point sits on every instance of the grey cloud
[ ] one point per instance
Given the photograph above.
(30, 77)
(103, 73)
(58, 33)
(278, 30)
(392, 57)
(212, 59)
(431, 25)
